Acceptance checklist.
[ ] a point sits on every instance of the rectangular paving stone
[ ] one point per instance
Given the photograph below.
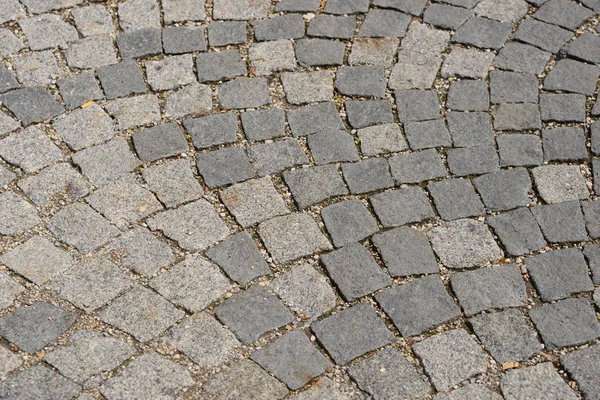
(561, 222)
(240, 258)
(272, 158)
(506, 335)
(139, 14)
(240, 9)
(212, 130)
(581, 364)
(31, 105)
(183, 39)
(367, 175)
(332, 27)
(32, 327)
(16, 215)
(173, 182)
(307, 87)
(314, 184)
(558, 183)
(564, 144)
(563, 13)
(268, 57)
(572, 76)
(121, 79)
(181, 11)
(313, 118)
(140, 43)
(584, 47)
(384, 23)
(470, 129)
(93, 20)
(518, 231)
(492, 287)
(354, 271)
(39, 382)
(559, 274)
(319, 52)
(363, 113)
(427, 134)
(91, 52)
(519, 150)
(467, 63)
(224, 166)
(541, 379)
(85, 127)
(445, 16)
(171, 72)
(540, 34)
(348, 221)
(263, 124)
(562, 107)
(135, 111)
(297, 228)
(252, 313)
(569, 322)
(332, 147)
(244, 93)
(216, 66)
(520, 57)
(77, 90)
(373, 51)
(513, 87)
(46, 31)
(292, 359)
(361, 81)
(417, 167)
(417, 105)
(450, 358)
(191, 99)
(226, 32)
(37, 68)
(482, 33)
(288, 26)
(402, 206)
(518, 117)
(381, 139)
(10, 362)
(418, 306)
(29, 149)
(160, 141)
(505, 189)
(12, 11)
(455, 198)
(468, 95)
(351, 333)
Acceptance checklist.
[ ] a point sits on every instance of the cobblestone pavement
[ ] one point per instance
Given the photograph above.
(317, 200)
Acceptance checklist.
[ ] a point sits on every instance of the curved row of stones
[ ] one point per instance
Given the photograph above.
(388, 199)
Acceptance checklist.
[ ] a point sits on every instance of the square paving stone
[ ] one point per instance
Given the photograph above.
(384, 23)
(558, 183)
(348, 221)
(269, 57)
(455, 198)
(414, 7)
(362, 113)
(173, 182)
(226, 33)
(37, 68)
(584, 47)
(37, 260)
(417, 167)
(195, 226)
(569, 322)
(521, 57)
(272, 158)
(138, 14)
(263, 124)
(244, 93)
(367, 175)
(470, 129)
(388, 374)
(292, 359)
(450, 358)
(147, 377)
(332, 147)
(468, 95)
(240, 9)
(46, 31)
(77, 90)
(161, 141)
(445, 16)
(202, 338)
(170, 72)
(305, 290)
(307, 87)
(16, 215)
(39, 382)
(9, 291)
(81, 227)
(405, 252)
(518, 231)
(563, 13)
(30, 150)
(361, 81)
(141, 251)
(355, 272)
(252, 313)
(513, 87)
(91, 283)
(85, 127)
(418, 306)
(224, 166)
(564, 107)
(540, 34)
(240, 258)
(517, 117)
(121, 79)
(319, 52)
(183, 39)
(288, 26)
(519, 150)
(417, 105)
(373, 51)
(292, 236)
(467, 63)
(89, 354)
(32, 104)
(135, 111)
(193, 284)
(402, 206)
(181, 11)
(314, 118)
(332, 27)
(564, 144)
(352, 332)
(140, 43)
(504, 190)
(572, 76)
(582, 364)
(244, 378)
(124, 202)
(381, 139)
(191, 99)
(253, 201)
(473, 160)
(427, 134)
(464, 243)
(91, 52)
(559, 274)
(212, 130)
(493, 287)
(483, 33)
(141, 313)
(561, 222)
(93, 20)
(541, 379)
(219, 65)
(33, 327)
(314, 184)
(506, 335)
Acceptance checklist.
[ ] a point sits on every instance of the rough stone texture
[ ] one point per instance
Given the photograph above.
(504, 190)
(244, 93)
(558, 183)
(561, 222)
(269, 57)
(348, 221)
(367, 175)
(224, 166)
(10, 290)
(16, 215)
(540, 381)
(273, 157)
(39, 382)
(314, 184)
(518, 231)
(307, 87)
(455, 199)
(173, 182)
(212, 130)
(402, 206)
(581, 364)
